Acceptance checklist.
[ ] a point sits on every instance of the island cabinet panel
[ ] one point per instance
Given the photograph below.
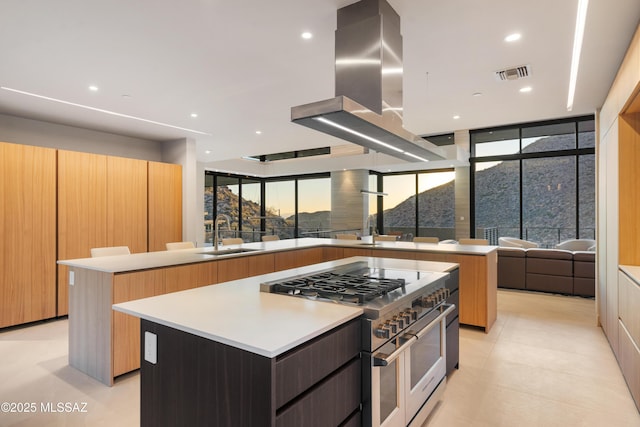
(200, 382)
(298, 258)
(299, 369)
(261, 264)
(478, 286)
(126, 329)
(183, 277)
(127, 203)
(165, 205)
(82, 211)
(331, 254)
(385, 253)
(27, 227)
(349, 252)
(233, 269)
(331, 403)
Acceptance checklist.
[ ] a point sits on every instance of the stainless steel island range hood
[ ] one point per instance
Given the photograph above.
(367, 109)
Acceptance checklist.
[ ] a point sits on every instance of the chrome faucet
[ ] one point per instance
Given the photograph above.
(216, 230)
(374, 230)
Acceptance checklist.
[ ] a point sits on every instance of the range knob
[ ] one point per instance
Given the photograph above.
(428, 301)
(413, 314)
(382, 331)
(393, 326)
(399, 320)
(406, 316)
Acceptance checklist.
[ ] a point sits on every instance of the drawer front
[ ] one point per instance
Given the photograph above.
(328, 404)
(628, 303)
(629, 357)
(304, 366)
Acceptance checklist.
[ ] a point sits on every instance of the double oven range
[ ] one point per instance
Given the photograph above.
(404, 333)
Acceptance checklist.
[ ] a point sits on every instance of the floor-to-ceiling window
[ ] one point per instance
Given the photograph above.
(535, 181)
(251, 205)
(314, 206)
(414, 203)
(280, 203)
(419, 204)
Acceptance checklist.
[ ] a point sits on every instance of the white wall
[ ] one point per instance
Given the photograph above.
(44, 134)
(183, 152)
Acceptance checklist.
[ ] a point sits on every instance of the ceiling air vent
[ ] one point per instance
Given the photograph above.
(514, 73)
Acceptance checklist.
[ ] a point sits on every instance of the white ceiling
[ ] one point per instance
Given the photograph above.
(242, 65)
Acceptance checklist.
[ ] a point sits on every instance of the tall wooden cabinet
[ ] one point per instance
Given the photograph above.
(127, 203)
(165, 205)
(82, 211)
(28, 230)
(102, 201)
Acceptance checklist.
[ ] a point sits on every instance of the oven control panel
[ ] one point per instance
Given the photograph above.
(395, 322)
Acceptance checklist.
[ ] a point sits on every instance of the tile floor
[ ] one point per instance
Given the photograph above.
(544, 363)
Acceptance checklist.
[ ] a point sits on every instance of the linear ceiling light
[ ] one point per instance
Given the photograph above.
(577, 47)
(358, 134)
(112, 113)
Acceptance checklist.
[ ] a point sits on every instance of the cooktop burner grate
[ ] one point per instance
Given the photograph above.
(341, 287)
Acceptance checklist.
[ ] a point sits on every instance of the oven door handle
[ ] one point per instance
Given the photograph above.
(447, 309)
(381, 359)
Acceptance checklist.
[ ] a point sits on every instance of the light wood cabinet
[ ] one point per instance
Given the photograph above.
(298, 258)
(478, 286)
(82, 211)
(629, 182)
(165, 205)
(233, 269)
(261, 264)
(127, 203)
(126, 329)
(28, 230)
(114, 201)
(349, 252)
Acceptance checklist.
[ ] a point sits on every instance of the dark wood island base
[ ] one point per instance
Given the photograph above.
(199, 382)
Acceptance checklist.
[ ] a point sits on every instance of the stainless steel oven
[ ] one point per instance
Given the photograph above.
(403, 332)
(406, 371)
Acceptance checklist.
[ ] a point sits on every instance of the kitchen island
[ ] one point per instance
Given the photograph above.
(232, 355)
(105, 344)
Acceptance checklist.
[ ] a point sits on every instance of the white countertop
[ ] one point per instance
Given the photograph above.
(142, 261)
(236, 313)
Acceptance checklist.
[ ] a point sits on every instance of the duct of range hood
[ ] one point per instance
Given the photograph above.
(367, 109)
(344, 118)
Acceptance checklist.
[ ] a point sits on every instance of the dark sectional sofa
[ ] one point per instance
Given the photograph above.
(547, 270)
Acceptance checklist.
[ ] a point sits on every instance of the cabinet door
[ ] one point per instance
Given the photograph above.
(261, 264)
(82, 211)
(165, 205)
(127, 203)
(28, 230)
(233, 269)
(298, 258)
(182, 277)
(126, 329)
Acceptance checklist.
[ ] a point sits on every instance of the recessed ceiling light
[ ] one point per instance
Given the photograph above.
(477, 94)
(207, 152)
(525, 89)
(512, 37)
(194, 115)
(126, 95)
(456, 117)
(306, 35)
(93, 88)
(258, 132)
